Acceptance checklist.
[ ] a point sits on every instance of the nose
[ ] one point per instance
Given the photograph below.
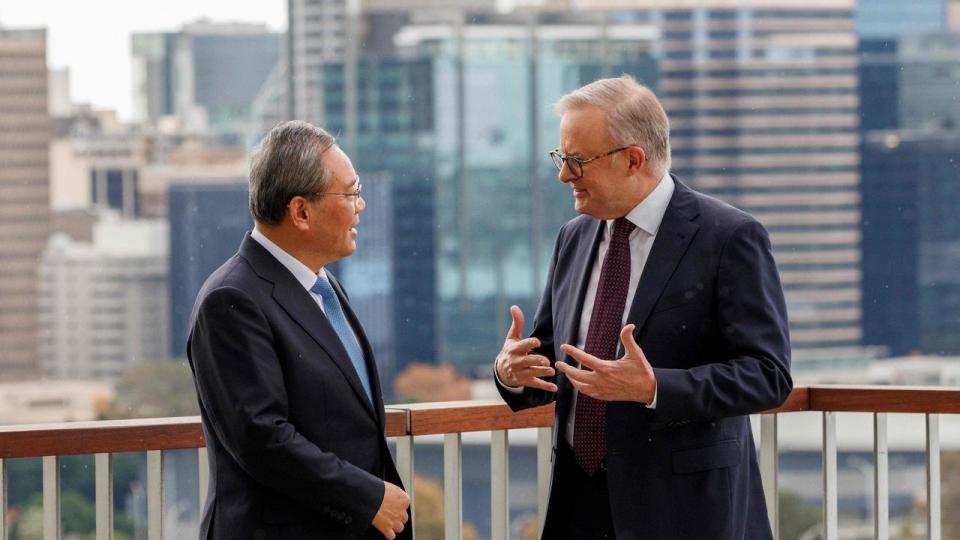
(566, 175)
(361, 204)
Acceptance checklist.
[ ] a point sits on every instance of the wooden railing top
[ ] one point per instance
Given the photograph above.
(431, 418)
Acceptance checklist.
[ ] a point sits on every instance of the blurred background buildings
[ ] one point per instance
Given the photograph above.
(835, 122)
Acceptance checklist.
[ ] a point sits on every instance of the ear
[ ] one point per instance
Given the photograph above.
(637, 159)
(298, 211)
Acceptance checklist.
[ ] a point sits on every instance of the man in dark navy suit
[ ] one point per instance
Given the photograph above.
(662, 326)
(288, 389)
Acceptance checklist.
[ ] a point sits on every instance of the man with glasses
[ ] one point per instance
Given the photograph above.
(289, 396)
(662, 326)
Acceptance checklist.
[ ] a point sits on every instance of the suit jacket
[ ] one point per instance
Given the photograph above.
(296, 449)
(710, 316)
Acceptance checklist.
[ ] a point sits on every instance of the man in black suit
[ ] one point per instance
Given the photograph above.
(288, 389)
(662, 326)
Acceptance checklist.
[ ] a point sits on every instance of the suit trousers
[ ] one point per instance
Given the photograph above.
(583, 511)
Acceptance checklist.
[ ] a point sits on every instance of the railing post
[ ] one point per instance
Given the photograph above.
(203, 478)
(769, 469)
(933, 476)
(405, 448)
(104, 496)
(544, 459)
(499, 485)
(830, 475)
(881, 483)
(51, 498)
(3, 499)
(155, 495)
(453, 485)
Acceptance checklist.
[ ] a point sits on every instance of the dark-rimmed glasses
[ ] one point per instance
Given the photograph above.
(576, 164)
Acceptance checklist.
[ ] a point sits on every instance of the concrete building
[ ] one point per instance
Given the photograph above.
(104, 304)
(95, 163)
(25, 134)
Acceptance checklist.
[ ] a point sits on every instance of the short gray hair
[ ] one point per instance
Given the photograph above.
(634, 115)
(286, 164)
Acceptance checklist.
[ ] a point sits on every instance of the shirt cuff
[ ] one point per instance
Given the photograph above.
(651, 405)
(505, 386)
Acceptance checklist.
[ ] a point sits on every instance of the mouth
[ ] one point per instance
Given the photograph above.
(579, 193)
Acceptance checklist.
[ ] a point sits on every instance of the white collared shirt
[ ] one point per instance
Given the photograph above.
(647, 217)
(304, 275)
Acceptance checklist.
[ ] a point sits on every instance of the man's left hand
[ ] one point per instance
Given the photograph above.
(630, 378)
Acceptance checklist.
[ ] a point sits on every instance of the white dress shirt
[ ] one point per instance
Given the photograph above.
(647, 217)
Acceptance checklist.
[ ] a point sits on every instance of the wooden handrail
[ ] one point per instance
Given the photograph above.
(431, 418)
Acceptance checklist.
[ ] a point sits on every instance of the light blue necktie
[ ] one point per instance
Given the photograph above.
(334, 312)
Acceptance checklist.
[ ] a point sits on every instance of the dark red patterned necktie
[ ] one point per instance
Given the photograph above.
(603, 334)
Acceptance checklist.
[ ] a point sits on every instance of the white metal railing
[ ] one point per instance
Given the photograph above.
(451, 420)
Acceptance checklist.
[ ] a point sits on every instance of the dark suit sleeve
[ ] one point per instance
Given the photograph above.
(240, 384)
(542, 330)
(752, 371)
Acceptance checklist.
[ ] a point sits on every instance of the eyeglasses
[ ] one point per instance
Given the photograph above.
(355, 194)
(576, 164)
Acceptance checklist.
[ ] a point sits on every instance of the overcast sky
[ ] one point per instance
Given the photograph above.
(92, 37)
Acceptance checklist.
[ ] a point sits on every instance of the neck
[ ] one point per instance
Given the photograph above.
(290, 242)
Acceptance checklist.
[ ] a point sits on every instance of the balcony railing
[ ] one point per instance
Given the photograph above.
(451, 420)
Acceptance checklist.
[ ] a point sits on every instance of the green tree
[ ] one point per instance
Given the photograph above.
(796, 516)
(153, 390)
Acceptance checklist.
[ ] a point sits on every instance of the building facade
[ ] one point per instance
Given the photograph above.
(207, 223)
(25, 134)
(104, 304)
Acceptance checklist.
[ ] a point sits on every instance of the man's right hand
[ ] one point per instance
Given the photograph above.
(515, 365)
(392, 516)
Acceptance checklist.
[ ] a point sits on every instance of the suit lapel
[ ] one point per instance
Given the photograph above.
(582, 260)
(298, 304)
(673, 238)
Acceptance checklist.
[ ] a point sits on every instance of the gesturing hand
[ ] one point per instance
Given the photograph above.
(628, 379)
(392, 515)
(515, 365)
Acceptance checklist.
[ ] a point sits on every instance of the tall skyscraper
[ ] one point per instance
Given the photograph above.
(104, 304)
(763, 102)
(459, 118)
(207, 223)
(25, 133)
(207, 75)
(911, 240)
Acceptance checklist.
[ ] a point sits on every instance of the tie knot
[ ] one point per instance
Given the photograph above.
(323, 288)
(622, 228)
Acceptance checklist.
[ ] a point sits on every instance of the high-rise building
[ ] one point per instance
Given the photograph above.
(104, 303)
(207, 75)
(153, 56)
(911, 240)
(25, 133)
(207, 223)
(763, 102)
(320, 32)
(459, 119)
